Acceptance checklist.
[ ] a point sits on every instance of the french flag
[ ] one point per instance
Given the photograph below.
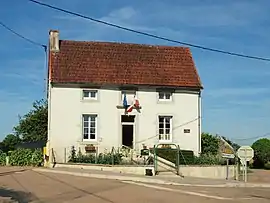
(136, 102)
(128, 108)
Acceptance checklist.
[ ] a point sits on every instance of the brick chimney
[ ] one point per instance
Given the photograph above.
(54, 40)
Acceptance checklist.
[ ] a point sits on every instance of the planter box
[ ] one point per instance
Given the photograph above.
(91, 149)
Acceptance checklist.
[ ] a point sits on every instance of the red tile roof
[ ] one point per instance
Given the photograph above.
(110, 63)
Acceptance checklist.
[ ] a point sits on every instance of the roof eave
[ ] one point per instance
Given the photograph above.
(124, 85)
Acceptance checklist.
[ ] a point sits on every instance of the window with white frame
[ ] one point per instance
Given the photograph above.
(89, 127)
(130, 94)
(165, 128)
(164, 96)
(90, 94)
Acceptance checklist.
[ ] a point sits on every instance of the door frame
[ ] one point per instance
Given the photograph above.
(128, 123)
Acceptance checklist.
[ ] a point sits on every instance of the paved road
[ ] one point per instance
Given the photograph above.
(32, 186)
(259, 176)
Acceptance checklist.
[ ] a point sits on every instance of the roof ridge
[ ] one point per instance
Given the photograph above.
(127, 43)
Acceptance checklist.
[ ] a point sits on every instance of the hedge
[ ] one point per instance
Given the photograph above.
(2, 158)
(267, 166)
(23, 157)
(186, 157)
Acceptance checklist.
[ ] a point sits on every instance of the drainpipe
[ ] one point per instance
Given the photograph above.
(48, 144)
(49, 86)
(199, 121)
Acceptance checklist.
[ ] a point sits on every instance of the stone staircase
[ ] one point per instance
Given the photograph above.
(164, 167)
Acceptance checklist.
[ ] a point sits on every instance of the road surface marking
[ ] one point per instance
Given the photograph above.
(184, 192)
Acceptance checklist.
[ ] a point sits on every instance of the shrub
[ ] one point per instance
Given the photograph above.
(2, 158)
(20, 157)
(72, 156)
(267, 166)
(26, 157)
(37, 157)
(88, 158)
(208, 160)
(108, 158)
(185, 156)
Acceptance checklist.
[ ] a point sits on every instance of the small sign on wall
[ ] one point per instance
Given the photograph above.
(186, 130)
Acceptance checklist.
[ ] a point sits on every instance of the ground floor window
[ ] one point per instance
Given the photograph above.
(165, 128)
(89, 127)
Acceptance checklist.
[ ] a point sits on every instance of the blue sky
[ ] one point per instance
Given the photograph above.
(236, 98)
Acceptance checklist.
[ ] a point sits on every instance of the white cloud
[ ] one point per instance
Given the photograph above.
(125, 13)
(125, 17)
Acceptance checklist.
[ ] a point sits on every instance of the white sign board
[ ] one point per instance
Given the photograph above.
(245, 153)
(228, 156)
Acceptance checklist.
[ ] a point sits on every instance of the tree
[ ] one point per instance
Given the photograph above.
(9, 143)
(210, 144)
(33, 125)
(261, 149)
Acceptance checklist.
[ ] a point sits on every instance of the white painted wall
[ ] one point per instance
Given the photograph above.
(65, 119)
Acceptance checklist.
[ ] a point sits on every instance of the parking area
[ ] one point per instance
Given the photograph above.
(18, 185)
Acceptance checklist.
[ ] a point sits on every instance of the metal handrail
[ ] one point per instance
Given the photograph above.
(127, 147)
(127, 150)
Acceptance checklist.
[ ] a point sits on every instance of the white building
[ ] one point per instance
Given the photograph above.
(87, 83)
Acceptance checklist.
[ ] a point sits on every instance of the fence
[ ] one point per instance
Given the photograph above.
(115, 156)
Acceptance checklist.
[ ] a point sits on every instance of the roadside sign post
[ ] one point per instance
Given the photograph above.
(227, 152)
(227, 169)
(245, 153)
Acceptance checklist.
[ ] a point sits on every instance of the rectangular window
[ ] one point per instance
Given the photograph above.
(165, 128)
(90, 94)
(130, 95)
(89, 127)
(165, 96)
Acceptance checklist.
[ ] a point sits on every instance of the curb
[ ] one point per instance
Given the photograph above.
(149, 180)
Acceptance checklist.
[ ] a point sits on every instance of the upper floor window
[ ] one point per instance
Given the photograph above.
(165, 96)
(90, 94)
(130, 96)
